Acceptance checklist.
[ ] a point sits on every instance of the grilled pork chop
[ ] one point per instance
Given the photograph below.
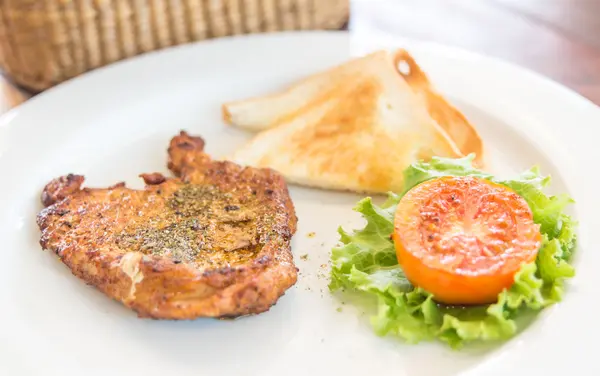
(213, 242)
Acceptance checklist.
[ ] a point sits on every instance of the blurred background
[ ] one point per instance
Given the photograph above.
(44, 43)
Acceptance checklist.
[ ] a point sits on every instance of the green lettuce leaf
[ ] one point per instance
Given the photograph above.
(366, 263)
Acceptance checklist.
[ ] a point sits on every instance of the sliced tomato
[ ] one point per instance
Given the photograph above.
(464, 238)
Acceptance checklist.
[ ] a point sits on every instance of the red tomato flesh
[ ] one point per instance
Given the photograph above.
(464, 238)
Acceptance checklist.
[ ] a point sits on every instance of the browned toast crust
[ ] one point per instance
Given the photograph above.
(213, 242)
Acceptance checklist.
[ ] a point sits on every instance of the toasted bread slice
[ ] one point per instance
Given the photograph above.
(457, 126)
(213, 242)
(268, 111)
(355, 127)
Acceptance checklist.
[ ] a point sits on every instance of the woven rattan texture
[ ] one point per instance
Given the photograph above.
(45, 42)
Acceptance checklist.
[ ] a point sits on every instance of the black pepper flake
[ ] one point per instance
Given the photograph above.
(232, 208)
(176, 261)
(452, 197)
(430, 238)
(269, 191)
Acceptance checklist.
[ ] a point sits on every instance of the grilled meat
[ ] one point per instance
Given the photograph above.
(212, 242)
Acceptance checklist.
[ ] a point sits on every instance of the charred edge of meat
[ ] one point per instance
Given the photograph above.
(154, 178)
(184, 151)
(60, 188)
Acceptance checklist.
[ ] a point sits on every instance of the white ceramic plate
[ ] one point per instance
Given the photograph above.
(115, 123)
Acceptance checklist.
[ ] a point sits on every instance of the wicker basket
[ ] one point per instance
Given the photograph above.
(45, 42)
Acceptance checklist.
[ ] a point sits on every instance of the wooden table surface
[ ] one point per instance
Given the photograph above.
(557, 38)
